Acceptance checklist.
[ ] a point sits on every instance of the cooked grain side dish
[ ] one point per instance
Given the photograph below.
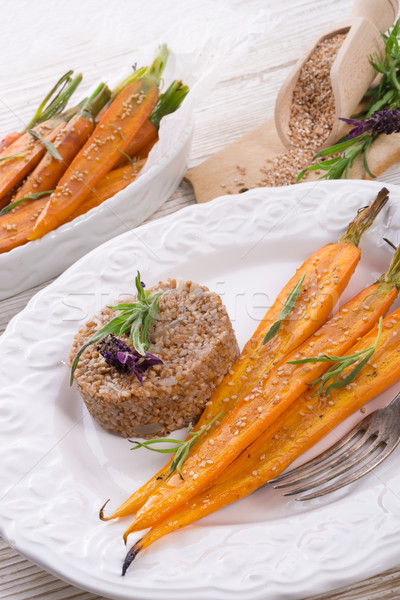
(193, 337)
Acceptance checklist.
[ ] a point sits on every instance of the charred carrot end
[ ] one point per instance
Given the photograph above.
(329, 270)
(101, 511)
(130, 557)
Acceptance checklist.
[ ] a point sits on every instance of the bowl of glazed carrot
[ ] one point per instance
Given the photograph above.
(75, 177)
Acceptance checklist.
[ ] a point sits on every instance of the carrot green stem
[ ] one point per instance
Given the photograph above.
(56, 100)
(168, 102)
(365, 218)
(155, 70)
(392, 275)
(96, 101)
(127, 80)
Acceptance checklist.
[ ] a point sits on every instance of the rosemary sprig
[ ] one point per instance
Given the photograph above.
(335, 372)
(48, 145)
(12, 205)
(181, 449)
(134, 319)
(287, 308)
(338, 166)
(11, 156)
(133, 161)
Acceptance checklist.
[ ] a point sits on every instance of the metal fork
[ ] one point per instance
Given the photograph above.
(365, 447)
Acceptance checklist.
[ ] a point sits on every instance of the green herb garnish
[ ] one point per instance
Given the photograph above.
(339, 166)
(12, 205)
(181, 449)
(20, 155)
(134, 319)
(49, 146)
(384, 96)
(342, 362)
(133, 161)
(287, 308)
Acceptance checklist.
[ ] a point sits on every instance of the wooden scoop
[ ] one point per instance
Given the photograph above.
(351, 72)
(240, 165)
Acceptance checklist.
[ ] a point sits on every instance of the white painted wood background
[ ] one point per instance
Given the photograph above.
(45, 38)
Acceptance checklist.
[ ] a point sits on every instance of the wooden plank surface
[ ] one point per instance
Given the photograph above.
(243, 97)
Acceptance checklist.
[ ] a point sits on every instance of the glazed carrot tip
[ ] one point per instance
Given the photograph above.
(101, 512)
(130, 557)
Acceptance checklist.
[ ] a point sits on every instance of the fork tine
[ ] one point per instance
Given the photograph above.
(336, 460)
(354, 460)
(310, 464)
(351, 477)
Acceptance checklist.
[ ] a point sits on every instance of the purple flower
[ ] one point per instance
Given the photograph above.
(120, 356)
(381, 121)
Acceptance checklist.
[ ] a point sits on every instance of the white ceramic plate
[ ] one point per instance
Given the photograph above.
(57, 467)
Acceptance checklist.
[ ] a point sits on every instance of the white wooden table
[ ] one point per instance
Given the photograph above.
(244, 96)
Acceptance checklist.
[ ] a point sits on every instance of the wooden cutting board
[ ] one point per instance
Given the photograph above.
(237, 167)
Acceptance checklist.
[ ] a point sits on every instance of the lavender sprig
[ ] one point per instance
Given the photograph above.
(134, 319)
(120, 356)
(381, 121)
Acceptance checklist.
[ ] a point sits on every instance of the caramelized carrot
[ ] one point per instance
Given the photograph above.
(145, 151)
(146, 134)
(167, 103)
(115, 181)
(331, 266)
(16, 225)
(271, 397)
(9, 139)
(126, 114)
(300, 427)
(53, 104)
(68, 142)
(27, 151)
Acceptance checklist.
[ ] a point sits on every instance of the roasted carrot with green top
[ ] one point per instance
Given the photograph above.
(18, 159)
(271, 397)
(331, 267)
(113, 134)
(167, 103)
(53, 103)
(156, 68)
(301, 426)
(67, 144)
